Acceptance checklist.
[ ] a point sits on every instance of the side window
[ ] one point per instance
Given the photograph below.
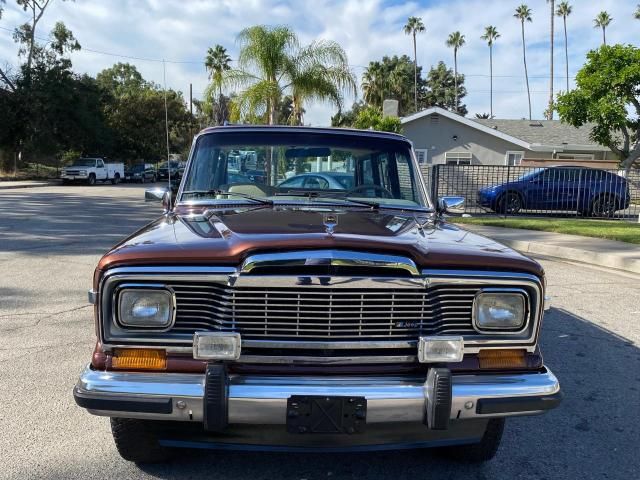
(295, 182)
(99, 164)
(405, 177)
(367, 171)
(383, 172)
(317, 183)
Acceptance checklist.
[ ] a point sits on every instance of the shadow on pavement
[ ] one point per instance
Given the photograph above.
(64, 222)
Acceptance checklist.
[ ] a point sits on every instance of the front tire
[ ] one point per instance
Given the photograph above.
(482, 451)
(510, 203)
(137, 441)
(92, 179)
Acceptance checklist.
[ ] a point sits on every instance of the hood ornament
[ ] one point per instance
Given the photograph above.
(330, 220)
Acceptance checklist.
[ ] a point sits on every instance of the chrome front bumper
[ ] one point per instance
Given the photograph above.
(262, 400)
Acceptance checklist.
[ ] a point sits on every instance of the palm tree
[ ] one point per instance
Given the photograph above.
(523, 13)
(216, 62)
(564, 10)
(551, 38)
(414, 25)
(636, 14)
(490, 35)
(455, 41)
(602, 20)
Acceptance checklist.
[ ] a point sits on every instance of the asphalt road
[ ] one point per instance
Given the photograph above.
(50, 241)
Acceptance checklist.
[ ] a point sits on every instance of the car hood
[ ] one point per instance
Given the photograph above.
(227, 237)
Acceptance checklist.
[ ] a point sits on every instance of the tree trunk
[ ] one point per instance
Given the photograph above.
(552, 32)
(415, 74)
(566, 51)
(491, 80)
(526, 74)
(604, 35)
(455, 77)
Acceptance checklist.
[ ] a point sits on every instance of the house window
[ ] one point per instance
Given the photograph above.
(458, 158)
(513, 159)
(422, 154)
(574, 156)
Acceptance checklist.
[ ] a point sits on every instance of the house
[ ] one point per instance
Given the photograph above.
(442, 137)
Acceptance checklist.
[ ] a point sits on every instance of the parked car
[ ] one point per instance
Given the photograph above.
(140, 173)
(589, 191)
(171, 167)
(92, 170)
(320, 181)
(246, 319)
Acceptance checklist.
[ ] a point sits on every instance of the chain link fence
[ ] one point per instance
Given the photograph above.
(554, 191)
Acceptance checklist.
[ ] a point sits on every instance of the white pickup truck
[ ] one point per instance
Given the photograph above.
(92, 170)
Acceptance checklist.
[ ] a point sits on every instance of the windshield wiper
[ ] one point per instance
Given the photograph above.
(328, 196)
(215, 192)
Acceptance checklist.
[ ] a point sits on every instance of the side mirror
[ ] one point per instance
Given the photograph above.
(453, 205)
(159, 194)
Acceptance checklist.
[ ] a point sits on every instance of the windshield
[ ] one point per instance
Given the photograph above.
(137, 168)
(303, 166)
(84, 162)
(173, 164)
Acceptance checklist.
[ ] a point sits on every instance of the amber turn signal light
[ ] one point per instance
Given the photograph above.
(139, 359)
(503, 358)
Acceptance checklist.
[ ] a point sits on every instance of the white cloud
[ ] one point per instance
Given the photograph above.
(182, 30)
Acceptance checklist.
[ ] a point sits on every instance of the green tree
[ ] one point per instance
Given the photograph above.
(523, 13)
(392, 77)
(602, 20)
(414, 26)
(442, 88)
(636, 14)
(455, 41)
(217, 62)
(564, 10)
(272, 64)
(606, 94)
(347, 118)
(371, 117)
(490, 36)
(135, 112)
(551, 62)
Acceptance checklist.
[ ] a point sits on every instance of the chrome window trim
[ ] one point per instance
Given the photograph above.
(115, 307)
(498, 330)
(230, 275)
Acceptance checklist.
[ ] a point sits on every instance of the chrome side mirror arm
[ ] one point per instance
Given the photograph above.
(159, 194)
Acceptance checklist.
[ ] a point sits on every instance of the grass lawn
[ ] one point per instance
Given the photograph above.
(31, 171)
(622, 231)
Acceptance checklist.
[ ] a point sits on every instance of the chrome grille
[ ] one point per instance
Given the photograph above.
(323, 312)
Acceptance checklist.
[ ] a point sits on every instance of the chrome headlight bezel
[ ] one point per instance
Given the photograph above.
(121, 323)
(519, 293)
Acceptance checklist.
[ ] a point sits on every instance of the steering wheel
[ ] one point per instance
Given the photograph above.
(386, 193)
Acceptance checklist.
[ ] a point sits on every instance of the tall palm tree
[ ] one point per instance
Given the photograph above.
(523, 13)
(490, 36)
(564, 10)
(551, 39)
(217, 62)
(414, 25)
(455, 41)
(602, 20)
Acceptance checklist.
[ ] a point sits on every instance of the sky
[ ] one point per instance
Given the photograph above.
(143, 32)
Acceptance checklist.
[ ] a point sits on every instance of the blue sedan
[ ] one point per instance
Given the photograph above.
(591, 192)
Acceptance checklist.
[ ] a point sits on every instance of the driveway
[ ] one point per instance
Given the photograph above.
(50, 241)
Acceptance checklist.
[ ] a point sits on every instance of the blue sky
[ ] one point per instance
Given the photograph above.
(181, 31)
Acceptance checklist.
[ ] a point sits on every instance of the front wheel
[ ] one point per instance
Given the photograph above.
(510, 203)
(92, 179)
(137, 441)
(482, 451)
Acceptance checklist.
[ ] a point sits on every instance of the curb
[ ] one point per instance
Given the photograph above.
(608, 260)
(29, 185)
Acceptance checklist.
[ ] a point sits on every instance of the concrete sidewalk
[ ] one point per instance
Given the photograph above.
(595, 251)
(11, 184)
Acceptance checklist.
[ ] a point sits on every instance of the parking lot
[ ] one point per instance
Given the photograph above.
(50, 240)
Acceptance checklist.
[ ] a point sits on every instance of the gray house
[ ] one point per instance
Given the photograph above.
(443, 137)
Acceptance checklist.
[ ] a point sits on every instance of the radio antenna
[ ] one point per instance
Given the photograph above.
(166, 119)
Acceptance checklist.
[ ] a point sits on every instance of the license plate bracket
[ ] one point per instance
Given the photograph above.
(326, 414)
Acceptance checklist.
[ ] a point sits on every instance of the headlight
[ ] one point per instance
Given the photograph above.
(499, 310)
(146, 308)
(83, 172)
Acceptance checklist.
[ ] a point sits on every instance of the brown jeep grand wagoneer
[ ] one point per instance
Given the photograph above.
(302, 291)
